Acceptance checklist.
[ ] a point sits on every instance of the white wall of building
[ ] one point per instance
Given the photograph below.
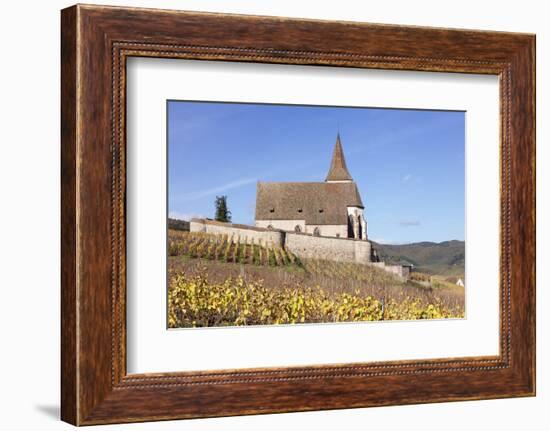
(288, 225)
(335, 230)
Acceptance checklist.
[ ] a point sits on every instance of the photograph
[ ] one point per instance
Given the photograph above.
(295, 214)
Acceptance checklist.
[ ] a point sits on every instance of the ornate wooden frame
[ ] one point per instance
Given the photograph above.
(95, 42)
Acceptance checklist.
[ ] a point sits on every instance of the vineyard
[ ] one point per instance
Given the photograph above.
(216, 280)
(194, 302)
(227, 249)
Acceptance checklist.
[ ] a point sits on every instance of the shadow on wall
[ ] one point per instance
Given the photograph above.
(52, 411)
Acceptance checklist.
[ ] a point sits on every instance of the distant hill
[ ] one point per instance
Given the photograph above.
(178, 224)
(443, 258)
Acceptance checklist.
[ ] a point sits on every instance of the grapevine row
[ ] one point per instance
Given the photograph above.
(228, 248)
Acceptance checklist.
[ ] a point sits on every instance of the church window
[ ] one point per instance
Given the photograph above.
(297, 228)
(317, 231)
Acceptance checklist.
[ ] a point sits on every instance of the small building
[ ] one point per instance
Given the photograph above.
(331, 208)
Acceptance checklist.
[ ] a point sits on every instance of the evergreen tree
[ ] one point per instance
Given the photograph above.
(222, 212)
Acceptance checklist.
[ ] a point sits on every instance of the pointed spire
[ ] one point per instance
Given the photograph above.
(338, 170)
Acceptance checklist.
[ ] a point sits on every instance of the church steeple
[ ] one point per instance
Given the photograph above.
(338, 171)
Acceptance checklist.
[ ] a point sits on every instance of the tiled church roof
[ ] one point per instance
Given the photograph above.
(316, 203)
(338, 170)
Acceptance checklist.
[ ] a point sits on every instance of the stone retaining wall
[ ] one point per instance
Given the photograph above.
(329, 248)
(301, 244)
(240, 233)
(402, 271)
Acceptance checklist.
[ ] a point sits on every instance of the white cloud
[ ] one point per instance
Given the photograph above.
(408, 223)
(384, 241)
(184, 216)
(218, 189)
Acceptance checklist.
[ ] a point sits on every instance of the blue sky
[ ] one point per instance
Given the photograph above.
(408, 164)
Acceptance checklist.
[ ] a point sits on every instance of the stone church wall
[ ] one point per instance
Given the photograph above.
(239, 233)
(320, 247)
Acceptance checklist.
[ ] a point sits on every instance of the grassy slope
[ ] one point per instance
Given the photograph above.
(333, 277)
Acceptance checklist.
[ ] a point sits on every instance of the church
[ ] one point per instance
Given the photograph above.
(332, 208)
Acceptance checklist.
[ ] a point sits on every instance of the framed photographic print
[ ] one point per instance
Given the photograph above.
(267, 215)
